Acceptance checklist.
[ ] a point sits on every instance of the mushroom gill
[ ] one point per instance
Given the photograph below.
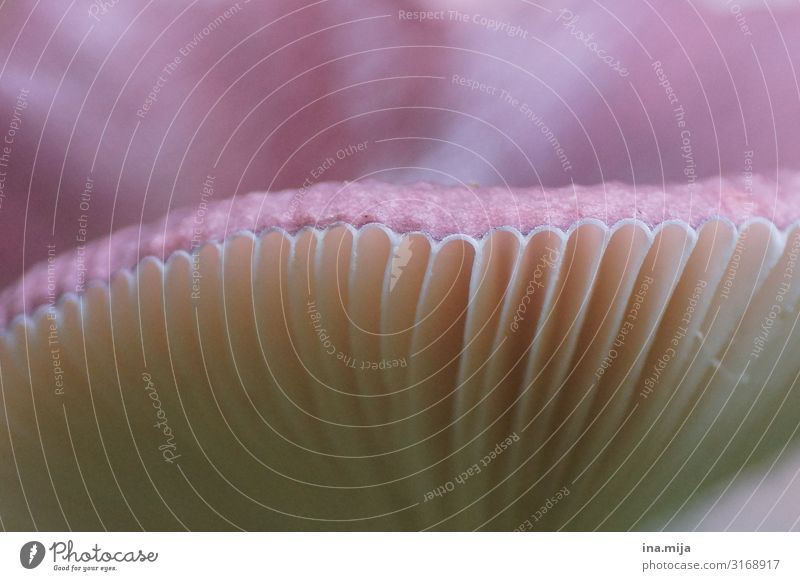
(494, 365)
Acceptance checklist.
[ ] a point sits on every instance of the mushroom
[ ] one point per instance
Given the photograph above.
(405, 357)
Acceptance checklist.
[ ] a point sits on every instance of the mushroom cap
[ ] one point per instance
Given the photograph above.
(436, 210)
(367, 356)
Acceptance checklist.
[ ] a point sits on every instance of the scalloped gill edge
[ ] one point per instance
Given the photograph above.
(476, 242)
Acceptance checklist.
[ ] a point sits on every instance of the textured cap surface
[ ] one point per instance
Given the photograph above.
(439, 211)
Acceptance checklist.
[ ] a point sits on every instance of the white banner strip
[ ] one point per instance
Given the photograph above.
(401, 556)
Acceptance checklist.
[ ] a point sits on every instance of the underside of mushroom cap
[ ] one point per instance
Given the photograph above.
(343, 374)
